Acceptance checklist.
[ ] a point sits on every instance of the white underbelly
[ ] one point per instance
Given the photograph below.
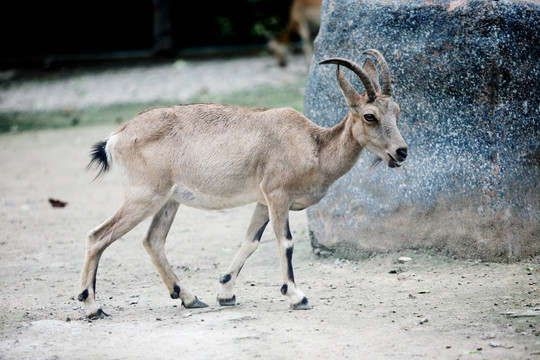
(200, 200)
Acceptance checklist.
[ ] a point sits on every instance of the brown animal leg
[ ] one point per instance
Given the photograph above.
(131, 213)
(154, 243)
(256, 228)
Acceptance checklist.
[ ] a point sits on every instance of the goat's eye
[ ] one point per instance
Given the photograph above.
(370, 118)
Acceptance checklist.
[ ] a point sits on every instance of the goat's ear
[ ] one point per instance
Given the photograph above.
(348, 90)
(373, 73)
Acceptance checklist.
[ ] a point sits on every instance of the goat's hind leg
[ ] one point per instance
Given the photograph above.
(131, 213)
(256, 228)
(154, 243)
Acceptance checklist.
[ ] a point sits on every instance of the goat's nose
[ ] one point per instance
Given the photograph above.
(401, 153)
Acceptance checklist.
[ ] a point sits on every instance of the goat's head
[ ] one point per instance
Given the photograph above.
(374, 113)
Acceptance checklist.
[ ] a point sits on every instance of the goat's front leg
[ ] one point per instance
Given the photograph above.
(259, 220)
(307, 45)
(279, 216)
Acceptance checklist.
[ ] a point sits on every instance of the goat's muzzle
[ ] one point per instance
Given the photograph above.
(398, 158)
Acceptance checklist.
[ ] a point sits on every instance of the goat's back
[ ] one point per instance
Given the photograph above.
(214, 148)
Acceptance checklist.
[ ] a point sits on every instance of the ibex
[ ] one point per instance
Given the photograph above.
(213, 156)
(304, 20)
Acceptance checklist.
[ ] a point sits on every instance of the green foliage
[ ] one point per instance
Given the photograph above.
(288, 95)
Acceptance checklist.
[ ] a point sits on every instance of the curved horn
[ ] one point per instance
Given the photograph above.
(361, 73)
(385, 70)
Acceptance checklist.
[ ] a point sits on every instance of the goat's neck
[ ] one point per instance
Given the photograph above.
(339, 149)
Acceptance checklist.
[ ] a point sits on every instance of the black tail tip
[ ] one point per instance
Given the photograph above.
(99, 158)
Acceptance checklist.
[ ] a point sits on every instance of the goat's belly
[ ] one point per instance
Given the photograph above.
(200, 200)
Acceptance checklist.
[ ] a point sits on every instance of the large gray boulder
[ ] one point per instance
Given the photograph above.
(467, 77)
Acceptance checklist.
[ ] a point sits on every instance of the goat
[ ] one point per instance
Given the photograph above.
(212, 156)
(304, 20)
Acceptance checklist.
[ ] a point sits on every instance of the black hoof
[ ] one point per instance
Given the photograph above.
(227, 302)
(304, 305)
(197, 304)
(99, 315)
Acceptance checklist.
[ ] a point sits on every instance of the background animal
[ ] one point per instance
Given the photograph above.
(304, 20)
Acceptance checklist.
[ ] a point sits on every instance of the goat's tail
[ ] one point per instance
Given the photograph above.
(100, 158)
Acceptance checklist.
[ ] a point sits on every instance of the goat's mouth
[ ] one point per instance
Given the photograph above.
(393, 163)
(390, 161)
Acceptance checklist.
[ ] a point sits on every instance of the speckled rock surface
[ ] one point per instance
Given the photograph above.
(466, 75)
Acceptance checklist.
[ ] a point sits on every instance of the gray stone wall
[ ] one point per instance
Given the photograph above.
(467, 77)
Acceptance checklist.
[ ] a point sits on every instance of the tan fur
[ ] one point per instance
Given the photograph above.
(213, 156)
(304, 20)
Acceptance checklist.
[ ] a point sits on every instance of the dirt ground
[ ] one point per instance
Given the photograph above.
(430, 307)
